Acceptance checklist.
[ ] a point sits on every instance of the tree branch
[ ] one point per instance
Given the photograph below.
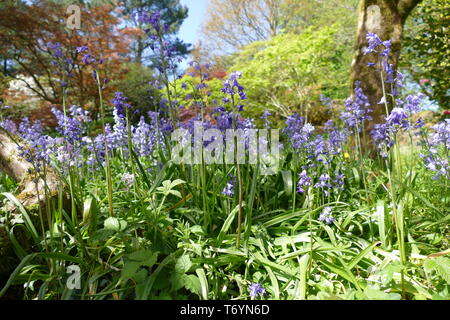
(406, 6)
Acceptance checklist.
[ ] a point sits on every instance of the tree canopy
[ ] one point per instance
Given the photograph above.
(426, 53)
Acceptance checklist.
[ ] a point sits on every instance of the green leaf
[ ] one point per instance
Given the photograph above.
(129, 270)
(288, 182)
(176, 183)
(377, 294)
(303, 265)
(226, 226)
(203, 283)
(192, 283)
(441, 265)
(267, 262)
(340, 271)
(144, 257)
(381, 222)
(115, 224)
(183, 264)
(361, 255)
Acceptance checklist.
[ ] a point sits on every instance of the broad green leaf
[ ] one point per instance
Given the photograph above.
(183, 264)
(115, 224)
(129, 270)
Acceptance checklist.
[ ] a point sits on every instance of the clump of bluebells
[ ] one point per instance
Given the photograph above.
(318, 160)
(356, 110)
(38, 147)
(382, 50)
(400, 117)
(232, 87)
(73, 126)
(437, 150)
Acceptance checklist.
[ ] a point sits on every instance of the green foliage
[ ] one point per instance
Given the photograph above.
(426, 53)
(173, 14)
(441, 265)
(190, 97)
(172, 233)
(289, 72)
(136, 88)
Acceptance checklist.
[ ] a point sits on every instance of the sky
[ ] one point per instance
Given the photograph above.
(189, 31)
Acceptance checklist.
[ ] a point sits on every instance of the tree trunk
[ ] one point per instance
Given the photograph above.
(139, 50)
(385, 18)
(19, 169)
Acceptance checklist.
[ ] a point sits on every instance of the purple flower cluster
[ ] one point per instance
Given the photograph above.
(39, 147)
(128, 179)
(356, 109)
(153, 19)
(326, 216)
(228, 190)
(298, 131)
(400, 118)
(336, 138)
(383, 50)
(71, 127)
(437, 158)
(148, 136)
(232, 86)
(303, 182)
(324, 184)
(339, 180)
(88, 58)
(256, 289)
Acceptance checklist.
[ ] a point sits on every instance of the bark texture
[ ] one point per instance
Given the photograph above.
(386, 18)
(19, 169)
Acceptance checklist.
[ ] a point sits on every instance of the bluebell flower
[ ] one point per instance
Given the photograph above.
(120, 103)
(9, 126)
(324, 183)
(437, 158)
(256, 289)
(232, 86)
(228, 190)
(356, 109)
(82, 49)
(71, 128)
(326, 216)
(128, 179)
(303, 182)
